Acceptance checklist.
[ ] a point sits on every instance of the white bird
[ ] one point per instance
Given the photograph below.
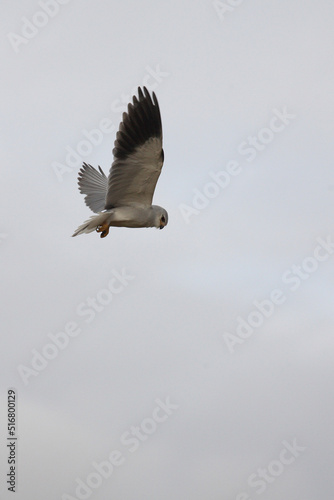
(124, 199)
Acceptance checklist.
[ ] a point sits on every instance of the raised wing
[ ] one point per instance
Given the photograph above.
(94, 185)
(138, 153)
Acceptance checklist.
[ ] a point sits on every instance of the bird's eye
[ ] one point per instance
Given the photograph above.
(163, 219)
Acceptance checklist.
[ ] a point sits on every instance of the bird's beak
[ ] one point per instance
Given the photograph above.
(161, 226)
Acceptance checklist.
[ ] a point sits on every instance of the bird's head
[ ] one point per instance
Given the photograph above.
(161, 217)
(163, 220)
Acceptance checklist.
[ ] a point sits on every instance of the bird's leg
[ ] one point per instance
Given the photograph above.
(103, 229)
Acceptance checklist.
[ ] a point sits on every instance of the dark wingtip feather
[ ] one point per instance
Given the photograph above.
(141, 122)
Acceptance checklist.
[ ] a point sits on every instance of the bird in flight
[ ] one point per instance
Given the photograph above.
(124, 198)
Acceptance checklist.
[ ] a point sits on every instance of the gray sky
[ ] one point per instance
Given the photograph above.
(194, 362)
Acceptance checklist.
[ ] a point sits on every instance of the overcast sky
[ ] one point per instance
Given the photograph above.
(194, 362)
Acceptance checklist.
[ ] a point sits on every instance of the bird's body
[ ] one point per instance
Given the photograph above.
(124, 199)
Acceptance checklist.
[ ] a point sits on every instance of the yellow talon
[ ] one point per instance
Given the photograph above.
(103, 229)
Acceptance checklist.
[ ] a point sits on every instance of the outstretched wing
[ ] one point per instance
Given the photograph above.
(94, 185)
(138, 153)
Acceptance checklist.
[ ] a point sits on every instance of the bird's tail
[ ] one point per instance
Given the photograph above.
(93, 223)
